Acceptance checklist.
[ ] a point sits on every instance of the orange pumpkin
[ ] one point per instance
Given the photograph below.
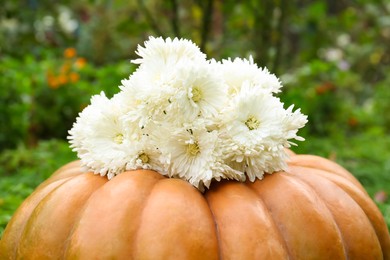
(315, 210)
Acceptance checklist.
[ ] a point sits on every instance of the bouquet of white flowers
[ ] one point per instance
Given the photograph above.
(188, 117)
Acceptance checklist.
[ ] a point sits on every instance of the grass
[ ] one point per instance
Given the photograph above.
(24, 169)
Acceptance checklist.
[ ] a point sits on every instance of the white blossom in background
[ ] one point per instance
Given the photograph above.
(188, 118)
(68, 24)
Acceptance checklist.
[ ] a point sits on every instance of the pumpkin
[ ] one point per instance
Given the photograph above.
(314, 210)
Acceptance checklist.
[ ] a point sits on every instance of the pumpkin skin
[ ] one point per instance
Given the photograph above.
(315, 210)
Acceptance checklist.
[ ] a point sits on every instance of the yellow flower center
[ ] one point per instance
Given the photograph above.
(232, 91)
(118, 138)
(252, 123)
(196, 94)
(143, 157)
(193, 149)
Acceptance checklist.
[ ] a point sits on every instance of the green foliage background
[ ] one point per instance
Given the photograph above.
(333, 58)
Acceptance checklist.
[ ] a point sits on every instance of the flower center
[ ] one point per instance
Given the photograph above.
(118, 138)
(196, 94)
(193, 149)
(252, 123)
(143, 157)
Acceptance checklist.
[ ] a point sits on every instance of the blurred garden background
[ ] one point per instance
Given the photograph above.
(333, 58)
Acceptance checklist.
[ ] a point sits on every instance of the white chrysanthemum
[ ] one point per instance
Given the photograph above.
(79, 131)
(159, 62)
(196, 90)
(155, 75)
(100, 138)
(255, 113)
(292, 122)
(144, 154)
(151, 105)
(255, 127)
(168, 51)
(195, 156)
(199, 92)
(239, 71)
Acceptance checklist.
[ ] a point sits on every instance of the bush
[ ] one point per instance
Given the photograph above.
(40, 98)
